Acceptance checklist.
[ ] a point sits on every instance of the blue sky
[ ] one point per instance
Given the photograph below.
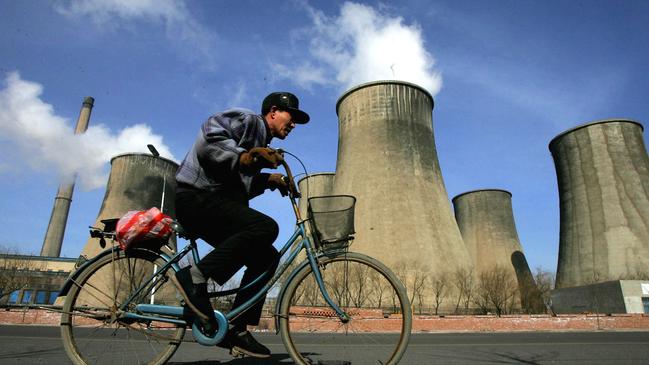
(507, 77)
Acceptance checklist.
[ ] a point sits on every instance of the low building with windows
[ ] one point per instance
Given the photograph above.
(616, 296)
(32, 280)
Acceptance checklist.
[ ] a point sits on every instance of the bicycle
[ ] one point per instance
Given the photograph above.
(125, 305)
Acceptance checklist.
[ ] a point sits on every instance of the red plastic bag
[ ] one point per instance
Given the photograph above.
(141, 225)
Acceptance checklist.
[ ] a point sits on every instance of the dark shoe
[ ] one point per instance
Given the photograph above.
(243, 343)
(197, 300)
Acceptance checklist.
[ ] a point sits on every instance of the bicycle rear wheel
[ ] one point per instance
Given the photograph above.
(92, 328)
(365, 289)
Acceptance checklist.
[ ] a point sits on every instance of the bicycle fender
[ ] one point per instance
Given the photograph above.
(75, 274)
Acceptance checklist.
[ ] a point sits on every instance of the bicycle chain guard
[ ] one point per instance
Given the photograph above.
(179, 312)
(200, 337)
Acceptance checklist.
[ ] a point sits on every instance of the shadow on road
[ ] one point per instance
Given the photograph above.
(30, 353)
(274, 359)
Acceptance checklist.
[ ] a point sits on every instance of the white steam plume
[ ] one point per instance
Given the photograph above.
(362, 45)
(33, 136)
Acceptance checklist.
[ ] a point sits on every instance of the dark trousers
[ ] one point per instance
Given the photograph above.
(240, 235)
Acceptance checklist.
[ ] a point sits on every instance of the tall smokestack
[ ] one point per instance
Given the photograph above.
(137, 181)
(486, 221)
(603, 179)
(56, 228)
(387, 159)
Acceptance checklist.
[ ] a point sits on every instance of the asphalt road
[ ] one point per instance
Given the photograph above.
(26, 345)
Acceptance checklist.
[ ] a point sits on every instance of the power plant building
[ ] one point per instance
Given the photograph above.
(387, 159)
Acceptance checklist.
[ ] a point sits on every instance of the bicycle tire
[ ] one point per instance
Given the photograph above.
(378, 332)
(91, 328)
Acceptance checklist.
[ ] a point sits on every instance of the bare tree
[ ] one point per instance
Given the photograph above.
(15, 271)
(381, 288)
(529, 296)
(416, 277)
(440, 288)
(481, 294)
(464, 285)
(361, 290)
(496, 290)
(337, 283)
(544, 284)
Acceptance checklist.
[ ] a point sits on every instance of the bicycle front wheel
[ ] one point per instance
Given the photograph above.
(368, 292)
(93, 328)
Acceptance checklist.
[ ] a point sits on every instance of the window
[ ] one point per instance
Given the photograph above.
(41, 297)
(645, 304)
(27, 296)
(53, 296)
(13, 297)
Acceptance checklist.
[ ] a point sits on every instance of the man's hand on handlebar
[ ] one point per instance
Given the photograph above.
(280, 182)
(260, 157)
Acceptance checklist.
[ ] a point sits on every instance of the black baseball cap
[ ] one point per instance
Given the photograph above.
(285, 101)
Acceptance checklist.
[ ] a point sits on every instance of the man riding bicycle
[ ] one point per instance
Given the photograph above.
(216, 180)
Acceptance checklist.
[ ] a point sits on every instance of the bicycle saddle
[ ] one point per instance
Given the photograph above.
(182, 232)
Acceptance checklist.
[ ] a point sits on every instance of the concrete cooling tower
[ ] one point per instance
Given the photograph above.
(136, 182)
(312, 185)
(486, 222)
(319, 184)
(603, 179)
(387, 159)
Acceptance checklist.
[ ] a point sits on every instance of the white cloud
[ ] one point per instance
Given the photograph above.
(305, 75)
(361, 45)
(103, 10)
(237, 94)
(44, 141)
(181, 27)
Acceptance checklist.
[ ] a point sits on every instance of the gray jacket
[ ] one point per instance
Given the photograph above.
(212, 164)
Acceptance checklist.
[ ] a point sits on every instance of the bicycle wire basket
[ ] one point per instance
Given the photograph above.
(332, 221)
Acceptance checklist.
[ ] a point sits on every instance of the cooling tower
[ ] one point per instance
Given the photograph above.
(56, 228)
(387, 159)
(136, 182)
(603, 179)
(486, 222)
(319, 184)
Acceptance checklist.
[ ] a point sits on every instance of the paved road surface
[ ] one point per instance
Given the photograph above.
(27, 345)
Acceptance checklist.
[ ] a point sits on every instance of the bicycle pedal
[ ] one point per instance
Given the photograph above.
(236, 353)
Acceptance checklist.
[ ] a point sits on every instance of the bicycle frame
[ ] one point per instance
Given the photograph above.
(172, 314)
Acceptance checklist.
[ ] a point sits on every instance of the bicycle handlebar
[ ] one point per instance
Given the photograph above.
(293, 192)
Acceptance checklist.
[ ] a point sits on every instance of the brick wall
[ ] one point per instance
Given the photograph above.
(564, 322)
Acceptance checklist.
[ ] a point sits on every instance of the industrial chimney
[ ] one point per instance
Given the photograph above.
(137, 181)
(603, 179)
(486, 221)
(59, 218)
(387, 159)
